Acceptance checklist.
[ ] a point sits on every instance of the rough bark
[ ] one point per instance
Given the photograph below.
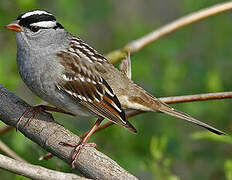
(48, 134)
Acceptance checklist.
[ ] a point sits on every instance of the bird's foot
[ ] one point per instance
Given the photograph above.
(35, 111)
(77, 149)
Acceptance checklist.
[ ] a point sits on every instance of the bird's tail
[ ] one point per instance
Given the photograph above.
(173, 112)
(142, 100)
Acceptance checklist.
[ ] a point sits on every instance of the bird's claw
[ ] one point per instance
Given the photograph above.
(77, 149)
(35, 110)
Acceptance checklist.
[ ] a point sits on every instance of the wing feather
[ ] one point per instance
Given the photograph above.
(82, 82)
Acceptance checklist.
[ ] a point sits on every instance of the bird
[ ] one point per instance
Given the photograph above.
(66, 72)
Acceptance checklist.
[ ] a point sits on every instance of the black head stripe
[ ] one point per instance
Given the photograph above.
(26, 22)
(58, 25)
(34, 12)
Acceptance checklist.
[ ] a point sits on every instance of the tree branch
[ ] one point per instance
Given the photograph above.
(140, 43)
(9, 152)
(197, 97)
(33, 171)
(48, 134)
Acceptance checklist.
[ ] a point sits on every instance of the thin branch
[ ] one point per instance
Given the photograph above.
(34, 172)
(48, 134)
(9, 152)
(197, 97)
(140, 43)
(178, 99)
(46, 156)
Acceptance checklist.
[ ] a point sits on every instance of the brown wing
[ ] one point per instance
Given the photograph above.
(83, 83)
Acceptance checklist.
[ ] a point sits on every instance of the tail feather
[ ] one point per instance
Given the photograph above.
(142, 100)
(173, 112)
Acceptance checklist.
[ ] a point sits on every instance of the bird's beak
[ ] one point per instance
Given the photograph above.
(14, 26)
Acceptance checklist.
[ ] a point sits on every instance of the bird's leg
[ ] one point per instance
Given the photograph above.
(108, 124)
(36, 110)
(54, 109)
(83, 142)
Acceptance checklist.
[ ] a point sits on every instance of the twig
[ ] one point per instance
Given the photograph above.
(178, 99)
(34, 172)
(48, 134)
(4, 129)
(197, 97)
(9, 152)
(140, 43)
(46, 157)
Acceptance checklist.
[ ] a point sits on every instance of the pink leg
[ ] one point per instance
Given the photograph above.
(83, 142)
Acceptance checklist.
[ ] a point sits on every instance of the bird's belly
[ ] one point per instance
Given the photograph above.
(43, 84)
(49, 93)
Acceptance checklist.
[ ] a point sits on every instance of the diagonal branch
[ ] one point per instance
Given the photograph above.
(9, 152)
(140, 43)
(33, 171)
(48, 134)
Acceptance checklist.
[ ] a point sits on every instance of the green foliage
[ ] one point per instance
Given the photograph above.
(212, 137)
(213, 81)
(219, 139)
(159, 163)
(228, 169)
(194, 59)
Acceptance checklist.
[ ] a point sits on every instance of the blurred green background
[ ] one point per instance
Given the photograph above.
(195, 59)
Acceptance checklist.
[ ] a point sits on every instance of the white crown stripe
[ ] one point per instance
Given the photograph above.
(46, 24)
(37, 12)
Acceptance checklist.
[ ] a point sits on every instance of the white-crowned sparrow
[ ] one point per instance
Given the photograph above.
(69, 74)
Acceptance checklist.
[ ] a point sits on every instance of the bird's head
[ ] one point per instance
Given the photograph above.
(36, 28)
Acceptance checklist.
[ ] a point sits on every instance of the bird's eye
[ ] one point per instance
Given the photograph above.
(34, 28)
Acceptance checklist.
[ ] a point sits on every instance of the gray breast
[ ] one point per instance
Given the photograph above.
(41, 74)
